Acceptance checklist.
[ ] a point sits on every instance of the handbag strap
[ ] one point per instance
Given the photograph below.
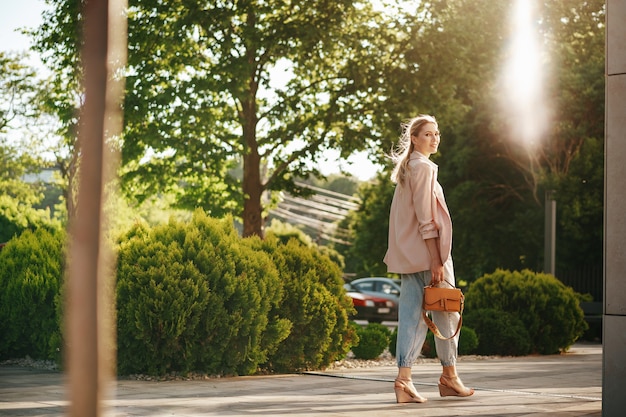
(447, 282)
(433, 327)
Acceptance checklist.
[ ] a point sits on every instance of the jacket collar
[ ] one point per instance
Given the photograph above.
(415, 155)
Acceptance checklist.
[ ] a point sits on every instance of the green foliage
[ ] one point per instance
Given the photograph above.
(17, 92)
(501, 332)
(326, 55)
(17, 198)
(393, 341)
(287, 231)
(61, 96)
(340, 184)
(16, 217)
(31, 277)
(24, 136)
(493, 190)
(53, 200)
(333, 255)
(244, 299)
(333, 97)
(13, 165)
(368, 227)
(195, 297)
(468, 341)
(373, 340)
(547, 309)
(315, 302)
(160, 298)
(580, 208)
(381, 328)
(429, 350)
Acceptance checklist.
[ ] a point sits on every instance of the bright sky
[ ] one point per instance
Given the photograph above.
(17, 14)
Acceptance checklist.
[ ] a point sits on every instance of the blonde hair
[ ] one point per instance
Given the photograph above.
(401, 154)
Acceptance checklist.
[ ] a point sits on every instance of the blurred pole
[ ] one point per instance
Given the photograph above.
(549, 233)
(88, 314)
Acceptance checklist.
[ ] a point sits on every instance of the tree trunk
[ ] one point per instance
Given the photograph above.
(252, 187)
(69, 173)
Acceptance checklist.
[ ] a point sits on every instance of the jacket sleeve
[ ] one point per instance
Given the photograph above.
(422, 179)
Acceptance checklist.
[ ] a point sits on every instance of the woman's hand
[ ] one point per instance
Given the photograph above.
(436, 266)
(436, 271)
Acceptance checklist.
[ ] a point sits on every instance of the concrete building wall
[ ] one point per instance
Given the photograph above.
(614, 331)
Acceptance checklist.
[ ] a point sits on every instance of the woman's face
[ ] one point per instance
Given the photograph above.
(427, 141)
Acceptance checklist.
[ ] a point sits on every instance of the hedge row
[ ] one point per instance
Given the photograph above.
(190, 297)
(31, 270)
(195, 296)
(512, 313)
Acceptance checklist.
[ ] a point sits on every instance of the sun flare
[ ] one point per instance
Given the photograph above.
(523, 101)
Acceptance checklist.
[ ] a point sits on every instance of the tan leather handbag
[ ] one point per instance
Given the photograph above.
(443, 299)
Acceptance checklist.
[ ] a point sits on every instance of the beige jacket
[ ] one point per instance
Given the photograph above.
(418, 212)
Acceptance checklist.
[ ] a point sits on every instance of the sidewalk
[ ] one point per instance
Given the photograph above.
(556, 385)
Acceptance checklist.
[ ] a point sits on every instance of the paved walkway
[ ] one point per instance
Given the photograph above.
(556, 385)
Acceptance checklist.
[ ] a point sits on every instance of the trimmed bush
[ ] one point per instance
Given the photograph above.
(195, 296)
(547, 309)
(429, 349)
(393, 341)
(315, 302)
(468, 341)
(501, 333)
(373, 340)
(160, 297)
(31, 276)
(241, 323)
(381, 328)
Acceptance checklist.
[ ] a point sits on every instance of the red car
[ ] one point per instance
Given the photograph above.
(372, 308)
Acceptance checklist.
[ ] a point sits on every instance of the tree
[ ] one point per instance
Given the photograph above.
(19, 112)
(577, 40)
(58, 42)
(17, 90)
(267, 86)
(452, 71)
(368, 227)
(493, 186)
(224, 70)
(227, 101)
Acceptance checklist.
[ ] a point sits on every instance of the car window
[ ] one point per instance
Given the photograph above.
(386, 288)
(365, 286)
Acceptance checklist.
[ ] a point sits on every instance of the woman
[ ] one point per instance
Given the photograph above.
(420, 244)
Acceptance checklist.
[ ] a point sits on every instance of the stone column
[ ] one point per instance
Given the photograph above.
(614, 330)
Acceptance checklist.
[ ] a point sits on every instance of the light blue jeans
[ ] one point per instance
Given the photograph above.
(412, 328)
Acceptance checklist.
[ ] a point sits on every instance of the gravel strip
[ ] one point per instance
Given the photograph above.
(28, 362)
(349, 362)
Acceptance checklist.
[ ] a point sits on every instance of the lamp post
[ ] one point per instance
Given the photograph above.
(549, 233)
